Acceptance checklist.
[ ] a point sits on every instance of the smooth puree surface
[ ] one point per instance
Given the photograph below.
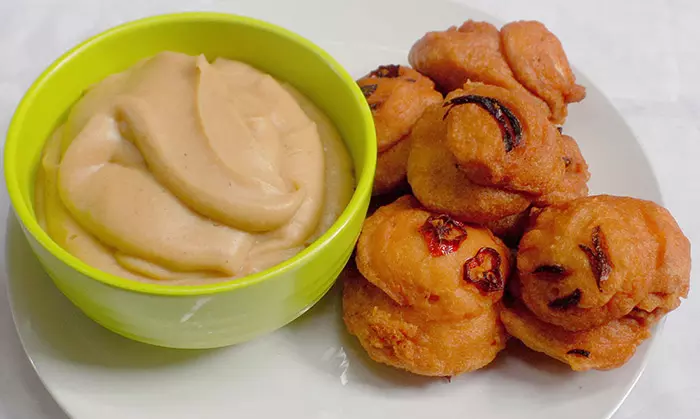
(186, 171)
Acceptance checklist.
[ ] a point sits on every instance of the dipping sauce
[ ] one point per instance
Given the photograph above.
(186, 171)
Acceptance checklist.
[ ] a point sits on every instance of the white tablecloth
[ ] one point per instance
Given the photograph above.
(644, 54)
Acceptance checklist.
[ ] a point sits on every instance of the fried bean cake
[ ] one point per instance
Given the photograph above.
(538, 61)
(524, 57)
(603, 347)
(593, 260)
(441, 186)
(485, 155)
(499, 139)
(403, 337)
(397, 96)
(444, 268)
(471, 52)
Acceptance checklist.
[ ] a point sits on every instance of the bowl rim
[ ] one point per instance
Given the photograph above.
(364, 179)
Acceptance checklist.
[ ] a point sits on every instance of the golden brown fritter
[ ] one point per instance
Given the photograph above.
(537, 60)
(454, 56)
(592, 260)
(441, 186)
(398, 96)
(500, 139)
(471, 52)
(604, 347)
(445, 269)
(404, 338)
(391, 168)
(574, 184)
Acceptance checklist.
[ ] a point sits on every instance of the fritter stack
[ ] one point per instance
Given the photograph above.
(424, 296)
(594, 275)
(484, 168)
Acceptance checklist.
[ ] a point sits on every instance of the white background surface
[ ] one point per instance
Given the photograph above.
(644, 54)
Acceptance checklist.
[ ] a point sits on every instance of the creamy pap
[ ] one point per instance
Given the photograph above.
(186, 171)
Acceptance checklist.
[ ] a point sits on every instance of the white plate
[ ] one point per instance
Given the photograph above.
(312, 368)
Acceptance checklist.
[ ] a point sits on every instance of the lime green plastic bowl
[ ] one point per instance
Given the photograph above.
(204, 316)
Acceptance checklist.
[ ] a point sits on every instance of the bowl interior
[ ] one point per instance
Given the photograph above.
(281, 53)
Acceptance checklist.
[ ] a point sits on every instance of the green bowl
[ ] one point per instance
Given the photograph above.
(201, 316)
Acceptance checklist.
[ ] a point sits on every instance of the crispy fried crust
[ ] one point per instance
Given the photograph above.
(532, 164)
(471, 52)
(592, 260)
(454, 56)
(537, 60)
(404, 338)
(671, 281)
(441, 186)
(604, 347)
(398, 96)
(394, 255)
(574, 184)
